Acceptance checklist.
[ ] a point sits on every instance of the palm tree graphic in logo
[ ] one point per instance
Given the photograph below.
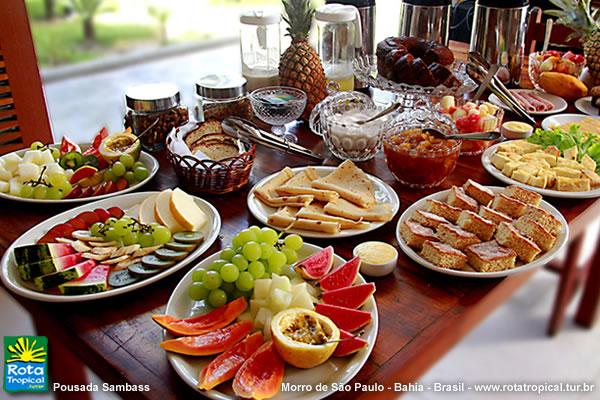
(25, 351)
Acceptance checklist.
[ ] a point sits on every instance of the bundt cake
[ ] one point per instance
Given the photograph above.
(415, 61)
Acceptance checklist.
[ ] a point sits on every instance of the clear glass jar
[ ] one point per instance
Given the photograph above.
(221, 96)
(340, 34)
(260, 46)
(153, 110)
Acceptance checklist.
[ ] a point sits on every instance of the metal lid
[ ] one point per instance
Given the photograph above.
(336, 13)
(431, 3)
(152, 97)
(355, 3)
(221, 86)
(260, 17)
(503, 3)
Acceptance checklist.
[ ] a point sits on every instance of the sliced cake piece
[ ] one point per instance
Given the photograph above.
(479, 192)
(544, 218)
(415, 234)
(495, 216)
(428, 219)
(508, 236)
(524, 195)
(509, 206)
(536, 232)
(442, 209)
(458, 198)
(443, 255)
(472, 222)
(490, 257)
(456, 236)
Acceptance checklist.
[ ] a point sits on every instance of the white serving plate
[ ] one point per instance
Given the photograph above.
(561, 241)
(13, 282)
(149, 161)
(562, 119)
(486, 161)
(558, 102)
(336, 370)
(584, 105)
(383, 193)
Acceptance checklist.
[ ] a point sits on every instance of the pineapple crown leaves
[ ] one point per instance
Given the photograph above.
(577, 15)
(298, 14)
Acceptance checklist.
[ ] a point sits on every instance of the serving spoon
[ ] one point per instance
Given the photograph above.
(393, 107)
(464, 136)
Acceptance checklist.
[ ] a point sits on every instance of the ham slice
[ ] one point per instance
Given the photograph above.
(533, 102)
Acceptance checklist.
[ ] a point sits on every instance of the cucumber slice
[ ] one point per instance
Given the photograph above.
(167, 254)
(181, 246)
(151, 261)
(122, 278)
(142, 271)
(188, 237)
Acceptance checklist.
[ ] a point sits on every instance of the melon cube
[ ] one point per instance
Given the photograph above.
(33, 156)
(280, 300)
(447, 102)
(5, 174)
(52, 168)
(11, 162)
(261, 288)
(245, 316)
(28, 171)
(257, 304)
(302, 300)
(4, 187)
(296, 280)
(46, 157)
(263, 316)
(15, 186)
(299, 287)
(281, 282)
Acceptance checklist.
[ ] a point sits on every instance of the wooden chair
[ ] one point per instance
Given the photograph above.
(536, 32)
(23, 113)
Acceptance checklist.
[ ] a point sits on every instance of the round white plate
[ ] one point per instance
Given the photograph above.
(486, 161)
(13, 282)
(149, 161)
(336, 370)
(561, 119)
(383, 193)
(584, 105)
(559, 103)
(545, 258)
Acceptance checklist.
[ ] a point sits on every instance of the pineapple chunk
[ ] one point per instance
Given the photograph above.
(4, 187)
(280, 300)
(33, 156)
(261, 288)
(280, 282)
(302, 300)
(263, 316)
(257, 304)
(11, 162)
(46, 157)
(28, 171)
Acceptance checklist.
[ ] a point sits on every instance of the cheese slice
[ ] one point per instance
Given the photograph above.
(163, 214)
(186, 211)
(301, 184)
(350, 182)
(286, 218)
(267, 194)
(345, 209)
(315, 211)
(146, 211)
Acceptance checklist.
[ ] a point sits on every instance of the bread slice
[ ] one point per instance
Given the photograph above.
(267, 194)
(508, 236)
(442, 209)
(380, 212)
(428, 219)
(544, 218)
(186, 211)
(205, 128)
(351, 183)
(474, 223)
(415, 234)
(509, 206)
(443, 255)
(163, 214)
(492, 215)
(456, 236)
(459, 199)
(536, 232)
(316, 211)
(524, 195)
(490, 257)
(301, 183)
(286, 218)
(479, 192)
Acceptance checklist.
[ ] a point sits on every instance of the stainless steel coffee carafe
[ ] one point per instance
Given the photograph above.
(427, 19)
(498, 33)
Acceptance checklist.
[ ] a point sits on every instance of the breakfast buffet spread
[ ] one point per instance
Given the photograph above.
(269, 308)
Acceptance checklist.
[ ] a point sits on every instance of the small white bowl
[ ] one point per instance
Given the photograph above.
(377, 267)
(516, 130)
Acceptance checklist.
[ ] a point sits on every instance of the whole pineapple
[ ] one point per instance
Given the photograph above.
(577, 15)
(300, 65)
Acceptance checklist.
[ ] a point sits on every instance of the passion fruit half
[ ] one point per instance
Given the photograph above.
(304, 338)
(116, 144)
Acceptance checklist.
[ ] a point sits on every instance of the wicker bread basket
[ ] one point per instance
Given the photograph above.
(208, 176)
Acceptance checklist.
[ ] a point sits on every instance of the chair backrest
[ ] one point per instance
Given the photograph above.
(23, 112)
(536, 31)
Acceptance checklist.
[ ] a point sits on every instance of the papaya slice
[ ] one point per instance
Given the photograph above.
(201, 324)
(214, 342)
(349, 344)
(261, 375)
(224, 366)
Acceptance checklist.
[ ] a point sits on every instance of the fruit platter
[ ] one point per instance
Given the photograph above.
(110, 246)
(73, 173)
(312, 320)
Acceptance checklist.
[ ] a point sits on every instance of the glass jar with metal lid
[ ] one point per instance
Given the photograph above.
(221, 96)
(153, 110)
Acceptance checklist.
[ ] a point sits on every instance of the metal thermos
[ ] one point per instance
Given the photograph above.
(498, 33)
(426, 19)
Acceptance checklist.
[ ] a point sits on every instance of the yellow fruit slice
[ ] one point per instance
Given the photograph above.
(146, 212)
(163, 214)
(186, 211)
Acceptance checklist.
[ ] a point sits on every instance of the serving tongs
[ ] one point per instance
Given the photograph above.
(481, 72)
(246, 130)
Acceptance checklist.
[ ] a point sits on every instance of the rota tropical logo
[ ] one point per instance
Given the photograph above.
(25, 363)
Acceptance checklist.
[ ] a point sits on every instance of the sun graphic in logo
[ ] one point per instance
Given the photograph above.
(25, 351)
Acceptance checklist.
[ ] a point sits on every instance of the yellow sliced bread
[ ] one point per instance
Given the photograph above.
(163, 214)
(146, 213)
(316, 211)
(350, 182)
(301, 183)
(186, 211)
(267, 194)
(345, 209)
(286, 217)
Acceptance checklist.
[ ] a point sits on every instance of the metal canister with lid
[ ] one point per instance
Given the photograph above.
(426, 19)
(221, 96)
(153, 110)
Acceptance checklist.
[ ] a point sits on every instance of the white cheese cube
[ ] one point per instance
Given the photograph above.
(4, 187)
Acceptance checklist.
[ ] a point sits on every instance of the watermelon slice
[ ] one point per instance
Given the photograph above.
(54, 279)
(317, 265)
(94, 281)
(342, 277)
(349, 344)
(345, 318)
(351, 296)
(39, 252)
(43, 267)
